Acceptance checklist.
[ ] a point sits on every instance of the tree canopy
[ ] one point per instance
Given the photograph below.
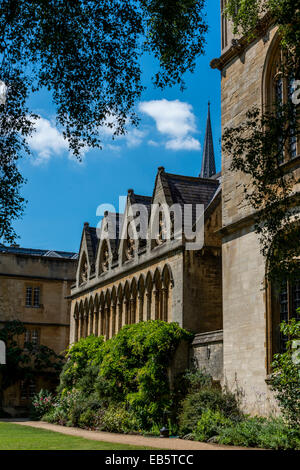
(245, 15)
(88, 55)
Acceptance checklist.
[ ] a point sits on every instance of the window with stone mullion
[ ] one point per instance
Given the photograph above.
(28, 296)
(293, 124)
(289, 300)
(36, 297)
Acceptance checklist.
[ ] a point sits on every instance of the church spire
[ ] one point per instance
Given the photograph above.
(208, 159)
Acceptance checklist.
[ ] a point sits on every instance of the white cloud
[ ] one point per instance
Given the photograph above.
(47, 141)
(134, 138)
(113, 148)
(153, 143)
(189, 143)
(175, 120)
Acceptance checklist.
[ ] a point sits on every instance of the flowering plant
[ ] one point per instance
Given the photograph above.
(42, 403)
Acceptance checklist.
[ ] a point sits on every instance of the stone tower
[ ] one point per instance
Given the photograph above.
(251, 310)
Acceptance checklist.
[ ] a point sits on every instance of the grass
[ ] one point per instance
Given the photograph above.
(17, 437)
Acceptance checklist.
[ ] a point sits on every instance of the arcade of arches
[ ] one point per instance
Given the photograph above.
(106, 311)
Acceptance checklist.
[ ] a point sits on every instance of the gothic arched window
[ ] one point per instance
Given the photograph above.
(280, 88)
(285, 302)
(84, 270)
(129, 244)
(104, 257)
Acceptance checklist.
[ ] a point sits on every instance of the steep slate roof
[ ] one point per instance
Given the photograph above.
(191, 190)
(145, 200)
(36, 252)
(140, 199)
(208, 159)
(92, 243)
(93, 240)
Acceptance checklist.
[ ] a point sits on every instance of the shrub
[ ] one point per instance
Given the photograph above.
(118, 419)
(197, 379)
(130, 369)
(69, 399)
(80, 356)
(208, 398)
(285, 380)
(270, 433)
(209, 425)
(56, 415)
(275, 434)
(88, 419)
(41, 404)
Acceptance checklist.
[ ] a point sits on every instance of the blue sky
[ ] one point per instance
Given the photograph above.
(63, 194)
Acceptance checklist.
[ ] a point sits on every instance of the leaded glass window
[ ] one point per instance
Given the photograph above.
(36, 297)
(289, 301)
(293, 124)
(28, 296)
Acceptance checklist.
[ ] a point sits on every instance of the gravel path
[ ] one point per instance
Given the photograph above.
(168, 444)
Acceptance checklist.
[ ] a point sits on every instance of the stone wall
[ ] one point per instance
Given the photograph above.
(206, 352)
(53, 276)
(244, 296)
(202, 305)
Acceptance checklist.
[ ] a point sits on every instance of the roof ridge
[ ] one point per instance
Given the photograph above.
(196, 178)
(141, 195)
(34, 251)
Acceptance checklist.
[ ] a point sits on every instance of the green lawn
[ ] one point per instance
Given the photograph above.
(17, 437)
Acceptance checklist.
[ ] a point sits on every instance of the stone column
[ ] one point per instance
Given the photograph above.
(141, 306)
(103, 322)
(84, 332)
(100, 322)
(157, 303)
(149, 304)
(107, 322)
(95, 323)
(165, 297)
(91, 318)
(119, 315)
(113, 320)
(132, 311)
(75, 329)
(127, 308)
(79, 335)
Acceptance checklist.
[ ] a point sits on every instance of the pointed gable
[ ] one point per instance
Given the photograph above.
(109, 232)
(88, 244)
(161, 191)
(140, 199)
(179, 189)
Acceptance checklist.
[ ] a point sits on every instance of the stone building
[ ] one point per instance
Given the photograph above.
(218, 291)
(252, 310)
(34, 286)
(122, 280)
